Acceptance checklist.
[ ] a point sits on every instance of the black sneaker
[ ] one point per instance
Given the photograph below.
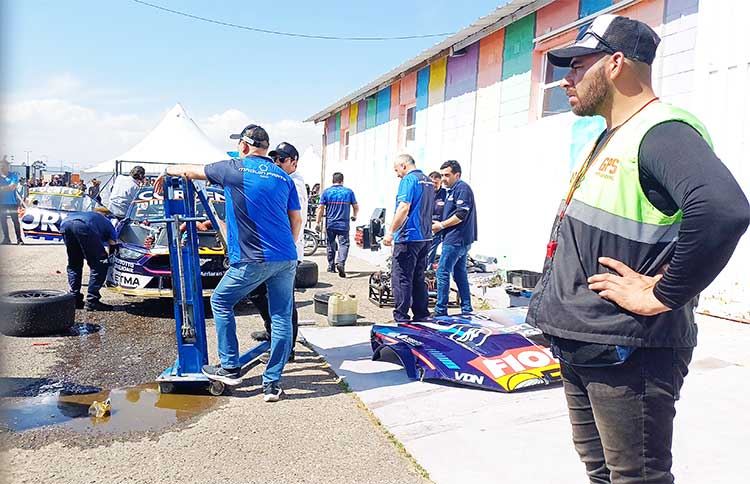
(97, 306)
(79, 301)
(340, 269)
(272, 392)
(260, 335)
(229, 377)
(331, 269)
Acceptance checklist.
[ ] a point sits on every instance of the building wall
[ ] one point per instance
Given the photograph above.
(482, 108)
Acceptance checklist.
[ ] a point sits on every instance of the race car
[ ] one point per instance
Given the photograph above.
(47, 206)
(140, 262)
(494, 349)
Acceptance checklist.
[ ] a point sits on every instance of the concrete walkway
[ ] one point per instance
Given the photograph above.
(462, 435)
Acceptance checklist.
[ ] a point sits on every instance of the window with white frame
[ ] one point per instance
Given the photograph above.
(410, 125)
(554, 99)
(346, 144)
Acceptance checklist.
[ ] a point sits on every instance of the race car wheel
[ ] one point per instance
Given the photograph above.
(39, 312)
(307, 274)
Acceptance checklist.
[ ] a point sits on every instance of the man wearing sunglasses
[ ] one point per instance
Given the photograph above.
(263, 221)
(649, 220)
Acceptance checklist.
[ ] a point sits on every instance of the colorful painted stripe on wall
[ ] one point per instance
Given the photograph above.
(353, 111)
(383, 106)
(372, 113)
(361, 116)
(461, 72)
(423, 87)
(437, 81)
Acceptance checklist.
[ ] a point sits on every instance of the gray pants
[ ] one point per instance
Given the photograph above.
(622, 415)
(337, 246)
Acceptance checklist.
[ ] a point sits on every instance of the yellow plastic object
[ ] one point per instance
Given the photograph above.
(342, 310)
(100, 409)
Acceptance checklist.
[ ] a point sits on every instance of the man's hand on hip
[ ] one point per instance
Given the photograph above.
(630, 290)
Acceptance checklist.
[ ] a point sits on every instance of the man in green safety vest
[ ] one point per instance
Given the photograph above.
(649, 220)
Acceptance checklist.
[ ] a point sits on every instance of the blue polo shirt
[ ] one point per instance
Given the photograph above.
(460, 197)
(337, 200)
(417, 189)
(258, 195)
(8, 197)
(96, 224)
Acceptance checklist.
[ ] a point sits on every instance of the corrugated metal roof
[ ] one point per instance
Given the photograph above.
(486, 25)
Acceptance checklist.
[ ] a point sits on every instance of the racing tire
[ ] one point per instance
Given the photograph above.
(307, 274)
(311, 244)
(37, 312)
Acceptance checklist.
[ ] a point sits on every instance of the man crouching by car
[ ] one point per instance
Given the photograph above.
(85, 235)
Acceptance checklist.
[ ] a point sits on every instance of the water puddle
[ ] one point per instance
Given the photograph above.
(136, 409)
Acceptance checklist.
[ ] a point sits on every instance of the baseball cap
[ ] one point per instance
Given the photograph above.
(254, 135)
(284, 150)
(610, 34)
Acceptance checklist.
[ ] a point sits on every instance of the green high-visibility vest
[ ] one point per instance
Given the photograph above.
(609, 215)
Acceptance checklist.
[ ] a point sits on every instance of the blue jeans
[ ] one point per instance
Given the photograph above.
(237, 282)
(453, 260)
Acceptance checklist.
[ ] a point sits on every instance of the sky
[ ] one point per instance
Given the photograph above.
(85, 80)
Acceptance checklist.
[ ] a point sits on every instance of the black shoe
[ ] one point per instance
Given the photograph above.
(97, 306)
(229, 376)
(19, 242)
(331, 269)
(79, 301)
(438, 315)
(340, 269)
(260, 335)
(272, 392)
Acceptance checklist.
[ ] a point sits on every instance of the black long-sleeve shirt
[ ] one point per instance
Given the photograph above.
(678, 170)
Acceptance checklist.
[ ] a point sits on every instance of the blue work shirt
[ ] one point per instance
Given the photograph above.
(460, 197)
(258, 195)
(417, 189)
(96, 224)
(437, 212)
(8, 197)
(337, 200)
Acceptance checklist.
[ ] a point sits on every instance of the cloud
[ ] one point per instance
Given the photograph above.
(61, 129)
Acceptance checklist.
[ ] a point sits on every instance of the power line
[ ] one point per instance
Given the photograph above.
(289, 34)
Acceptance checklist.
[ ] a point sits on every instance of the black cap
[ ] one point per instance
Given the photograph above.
(610, 34)
(253, 135)
(284, 150)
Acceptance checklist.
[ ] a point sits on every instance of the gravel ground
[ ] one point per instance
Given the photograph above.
(318, 433)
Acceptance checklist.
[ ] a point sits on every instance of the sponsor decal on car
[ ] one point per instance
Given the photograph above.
(128, 280)
(519, 366)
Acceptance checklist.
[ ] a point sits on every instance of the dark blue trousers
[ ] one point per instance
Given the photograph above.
(82, 244)
(337, 246)
(407, 280)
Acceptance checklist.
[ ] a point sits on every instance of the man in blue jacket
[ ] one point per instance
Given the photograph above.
(410, 235)
(336, 200)
(85, 235)
(458, 229)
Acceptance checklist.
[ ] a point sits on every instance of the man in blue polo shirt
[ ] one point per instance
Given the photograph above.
(411, 235)
(263, 221)
(337, 199)
(459, 229)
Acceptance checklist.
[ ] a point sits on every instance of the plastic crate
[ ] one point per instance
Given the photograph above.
(523, 279)
(518, 297)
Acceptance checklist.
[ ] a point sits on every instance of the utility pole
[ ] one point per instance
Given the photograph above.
(28, 153)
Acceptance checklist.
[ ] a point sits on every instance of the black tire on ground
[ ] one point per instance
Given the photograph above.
(307, 274)
(39, 312)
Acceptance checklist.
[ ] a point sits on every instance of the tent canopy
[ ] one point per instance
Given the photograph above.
(176, 139)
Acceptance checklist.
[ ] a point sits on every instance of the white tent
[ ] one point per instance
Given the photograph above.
(176, 139)
(309, 166)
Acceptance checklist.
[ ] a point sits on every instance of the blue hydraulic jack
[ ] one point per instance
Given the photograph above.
(190, 322)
